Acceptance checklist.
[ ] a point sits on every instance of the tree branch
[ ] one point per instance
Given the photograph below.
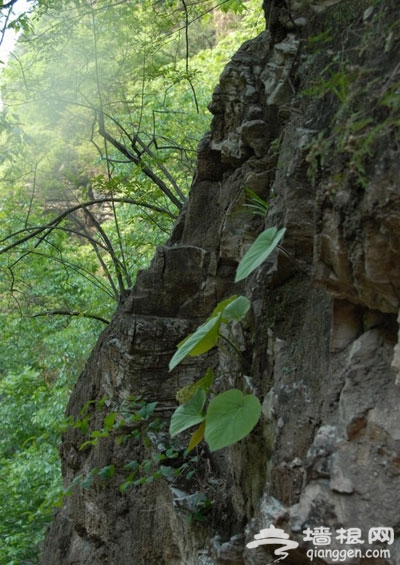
(72, 314)
(8, 4)
(34, 232)
(136, 140)
(119, 268)
(81, 271)
(96, 246)
(137, 160)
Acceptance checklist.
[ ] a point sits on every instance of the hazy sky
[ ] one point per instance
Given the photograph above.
(10, 35)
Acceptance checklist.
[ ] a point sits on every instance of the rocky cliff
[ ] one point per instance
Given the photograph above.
(307, 116)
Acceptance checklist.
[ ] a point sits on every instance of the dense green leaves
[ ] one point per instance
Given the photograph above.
(71, 118)
(29, 476)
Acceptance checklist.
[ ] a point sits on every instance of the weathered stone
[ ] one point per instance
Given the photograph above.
(254, 133)
(396, 355)
(326, 451)
(347, 324)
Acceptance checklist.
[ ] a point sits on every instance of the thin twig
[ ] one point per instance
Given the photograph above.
(54, 223)
(70, 313)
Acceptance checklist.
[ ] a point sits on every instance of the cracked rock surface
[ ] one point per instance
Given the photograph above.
(323, 335)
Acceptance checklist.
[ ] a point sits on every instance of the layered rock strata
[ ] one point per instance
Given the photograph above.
(305, 115)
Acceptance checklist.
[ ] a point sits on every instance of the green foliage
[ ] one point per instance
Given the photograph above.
(187, 391)
(157, 81)
(30, 462)
(262, 247)
(336, 79)
(255, 203)
(236, 6)
(230, 416)
(188, 414)
(135, 423)
(197, 436)
(204, 338)
(200, 504)
(364, 111)
(236, 309)
(207, 335)
(63, 273)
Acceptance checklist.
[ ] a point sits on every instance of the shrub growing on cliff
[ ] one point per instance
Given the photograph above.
(231, 415)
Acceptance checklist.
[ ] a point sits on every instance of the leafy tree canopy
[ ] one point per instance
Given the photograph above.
(103, 105)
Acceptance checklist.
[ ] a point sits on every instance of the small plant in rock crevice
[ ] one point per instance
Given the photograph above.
(255, 204)
(136, 425)
(221, 419)
(366, 108)
(230, 415)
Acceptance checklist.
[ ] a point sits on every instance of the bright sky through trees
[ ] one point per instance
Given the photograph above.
(10, 35)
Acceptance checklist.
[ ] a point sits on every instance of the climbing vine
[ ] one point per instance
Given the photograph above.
(230, 415)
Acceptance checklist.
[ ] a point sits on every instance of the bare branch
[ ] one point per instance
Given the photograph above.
(96, 246)
(3, 31)
(171, 179)
(187, 56)
(78, 269)
(137, 160)
(8, 4)
(119, 268)
(136, 140)
(72, 314)
(34, 232)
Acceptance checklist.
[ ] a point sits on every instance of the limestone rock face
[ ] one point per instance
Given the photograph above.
(306, 115)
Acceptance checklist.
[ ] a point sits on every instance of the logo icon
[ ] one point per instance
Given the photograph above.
(274, 536)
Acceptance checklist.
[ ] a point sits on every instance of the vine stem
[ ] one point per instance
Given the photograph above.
(244, 363)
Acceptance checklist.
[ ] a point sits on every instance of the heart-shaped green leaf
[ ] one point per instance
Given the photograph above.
(221, 306)
(188, 414)
(236, 310)
(202, 340)
(230, 417)
(258, 252)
